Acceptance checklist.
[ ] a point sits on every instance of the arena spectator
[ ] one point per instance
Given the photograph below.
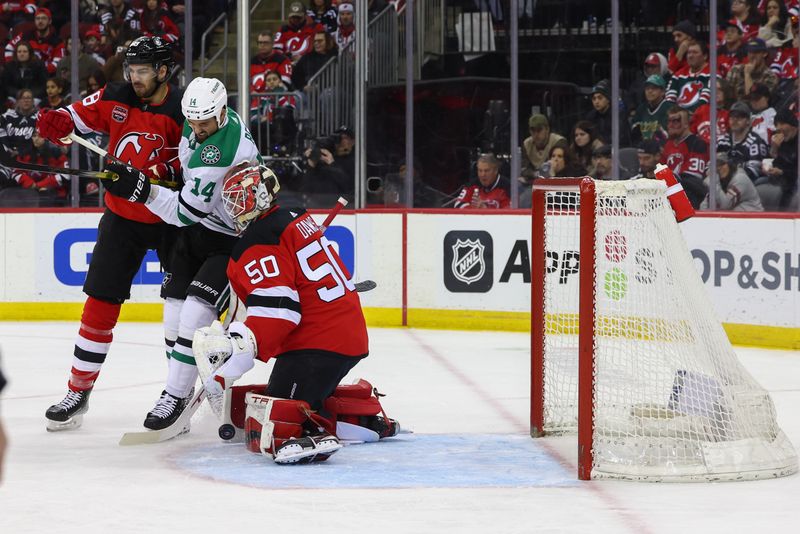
(683, 33)
(155, 21)
(763, 122)
(344, 151)
(650, 119)
(783, 171)
(294, 38)
(113, 69)
(700, 122)
(18, 124)
(311, 63)
(94, 82)
(688, 87)
(269, 59)
(491, 190)
(601, 160)
(92, 43)
(686, 155)
(43, 39)
(56, 89)
(584, 141)
(323, 179)
(346, 32)
(733, 52)
(649, 155)
(784, 63)
(600, 116)
(322, 12)
(272, 115)
(86, 65)
(561, 163)
(744, 146)
(756, 70)
(25, 71)
(747, 16)
(633, 97)
(536, 148)
(12, 13)
(117, 15)
(777, 29)
(734, 190)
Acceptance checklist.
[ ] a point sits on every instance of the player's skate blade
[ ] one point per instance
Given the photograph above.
(307, 449)
(68, 414)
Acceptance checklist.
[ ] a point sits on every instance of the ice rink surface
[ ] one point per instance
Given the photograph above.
(469, 466)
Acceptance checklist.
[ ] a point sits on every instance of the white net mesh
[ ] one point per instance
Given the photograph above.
(671, 400)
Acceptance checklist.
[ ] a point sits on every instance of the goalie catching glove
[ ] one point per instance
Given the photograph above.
(223, 358)
(132, 185)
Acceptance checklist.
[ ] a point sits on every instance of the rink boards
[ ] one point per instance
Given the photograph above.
(437, 268)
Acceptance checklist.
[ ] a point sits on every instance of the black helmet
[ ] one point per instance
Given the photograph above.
(153, 51)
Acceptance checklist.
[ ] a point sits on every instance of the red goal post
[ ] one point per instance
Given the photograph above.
(626, 349)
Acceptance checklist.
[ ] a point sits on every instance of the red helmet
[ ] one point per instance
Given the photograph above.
(248, 191)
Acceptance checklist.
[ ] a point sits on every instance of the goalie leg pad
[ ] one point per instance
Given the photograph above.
(271, 422)
(358, 404)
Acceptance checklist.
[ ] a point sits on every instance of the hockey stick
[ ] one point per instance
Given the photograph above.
(175, 429)
(7, 160)
(340, 203)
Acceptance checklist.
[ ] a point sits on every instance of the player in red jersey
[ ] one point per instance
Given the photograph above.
(302, 310)
(143, 120)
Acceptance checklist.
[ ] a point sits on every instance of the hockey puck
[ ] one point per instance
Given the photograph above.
(227, 431)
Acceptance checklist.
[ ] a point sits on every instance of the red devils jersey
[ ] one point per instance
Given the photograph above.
(296, 288)
(494, 197)
(276, 62)
(687, 156)
(296, 42)
(138, 133)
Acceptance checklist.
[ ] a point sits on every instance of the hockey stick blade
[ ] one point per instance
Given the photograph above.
(6, 160)
(365, 285)
(173, 430)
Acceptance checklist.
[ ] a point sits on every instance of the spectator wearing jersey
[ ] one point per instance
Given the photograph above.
(700, 122)
(683, 33)
(491, 191)
(649, 155)
(689, 86)
(311, 63)
(25, 71)
(783, 147)
(294, 38)
(272, 115)
(584, 141)
(91, 46)
(536, 148)
(269, 59)
(756, 70)
(86, 65)
(747, 16)
(734, 51)
(686, 155)
(734, 191)
(633, 97)
(14, 12)
(743, 145)
(763, 120)
(43, 39)
(17, 126)
(600, 115)
(323, 12)
(777, 29)
(650, 118)
(119, 17)
(154, 21)
(784, 63)
(346, 32)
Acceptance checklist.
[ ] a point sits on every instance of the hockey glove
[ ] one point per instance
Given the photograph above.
(242, 359)
(55, 125)
(164, 173)
(132, 184)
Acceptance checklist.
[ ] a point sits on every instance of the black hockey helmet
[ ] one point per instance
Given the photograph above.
(153, 51)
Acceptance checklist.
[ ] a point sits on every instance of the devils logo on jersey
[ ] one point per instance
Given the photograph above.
(139, 147)
(690, 94)
(675, 162)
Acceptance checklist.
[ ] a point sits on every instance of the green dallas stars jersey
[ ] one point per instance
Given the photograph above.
(204, 168)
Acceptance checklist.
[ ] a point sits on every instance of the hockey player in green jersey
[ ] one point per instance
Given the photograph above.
(215, 142)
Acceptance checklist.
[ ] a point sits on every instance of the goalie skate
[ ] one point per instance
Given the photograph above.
(307, 449)
(68, 414)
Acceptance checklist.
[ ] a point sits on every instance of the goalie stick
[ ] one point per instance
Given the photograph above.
(175, 429)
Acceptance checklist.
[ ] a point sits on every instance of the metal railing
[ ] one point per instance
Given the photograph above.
(224, 50)
(429, 35)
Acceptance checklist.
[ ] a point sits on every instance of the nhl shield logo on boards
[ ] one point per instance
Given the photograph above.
(468, 263)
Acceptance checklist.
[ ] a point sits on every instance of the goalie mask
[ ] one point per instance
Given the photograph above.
(249, 190)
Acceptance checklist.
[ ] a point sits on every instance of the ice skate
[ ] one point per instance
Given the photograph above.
(68, 414)
(166, 411)
(386, 428)
(307, 449)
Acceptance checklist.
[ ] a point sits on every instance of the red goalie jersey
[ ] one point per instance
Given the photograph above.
(139, 134)
(296, 288)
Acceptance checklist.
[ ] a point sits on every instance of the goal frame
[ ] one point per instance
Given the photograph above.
(586, 312)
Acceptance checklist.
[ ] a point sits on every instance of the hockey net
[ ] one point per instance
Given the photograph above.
(627, 349)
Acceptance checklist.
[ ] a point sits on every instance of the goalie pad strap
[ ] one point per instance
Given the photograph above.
(270, 421)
